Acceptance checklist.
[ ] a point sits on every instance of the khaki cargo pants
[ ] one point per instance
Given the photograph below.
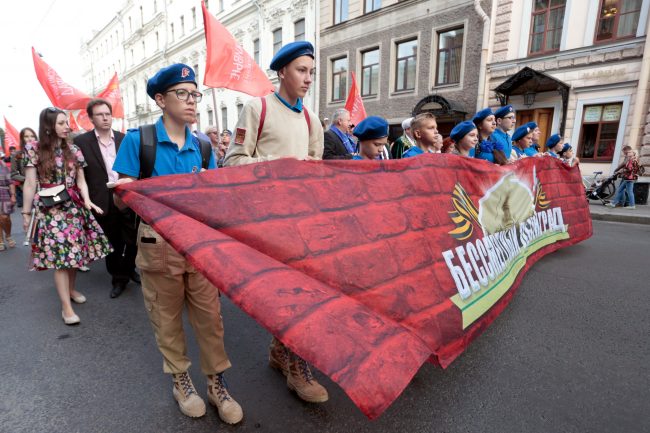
(168, 283)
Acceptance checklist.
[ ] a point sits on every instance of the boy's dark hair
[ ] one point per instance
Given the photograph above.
(94, 103)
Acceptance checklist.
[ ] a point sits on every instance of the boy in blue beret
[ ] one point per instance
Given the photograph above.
(488, 148)
(425, 132)
(506, 119)
(567, 156)
(169, 282)
(372, 133)
(465, 136)
(280, 126)
(533, 149)
(554, 145)
(522, 138)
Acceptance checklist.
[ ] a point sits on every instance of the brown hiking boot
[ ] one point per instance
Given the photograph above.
(301, 380)
(279, 356)
(185, 394)
(230, 411)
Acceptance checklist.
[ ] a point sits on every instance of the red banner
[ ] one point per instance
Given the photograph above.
(72, 122)
(84, 121)
(12, 137)
(61, 94)
(367, 269)
(354, 103)
(112, 95)
(228, 65)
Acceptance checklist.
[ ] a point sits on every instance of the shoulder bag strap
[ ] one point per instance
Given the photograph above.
(148, 143)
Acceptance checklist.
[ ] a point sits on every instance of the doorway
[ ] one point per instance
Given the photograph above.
(544, 119)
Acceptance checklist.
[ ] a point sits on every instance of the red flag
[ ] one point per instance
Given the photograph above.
(72, 122)
(84, 120)
(228, 65)
(354, 103)
(12, 137)
(365, 268)
(61, 94)
(112, 95)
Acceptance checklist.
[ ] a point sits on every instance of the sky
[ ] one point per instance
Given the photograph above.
(56, 28)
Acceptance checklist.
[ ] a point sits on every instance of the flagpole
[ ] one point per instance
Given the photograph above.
(216, 115)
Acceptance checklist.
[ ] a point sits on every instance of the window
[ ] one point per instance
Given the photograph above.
(256, 51)
(277, 40)
(157, 41)
(132, 57)
(339, 78)
(370, 72)
(144, 51)
(372, 5)
(182, 25)
(210, 116)
(130, 26)
(340, 11)
(196, 73)
(141, 17)
(299, 30)
(546, 27)
(193, 18)
(155, 6)
(171, 31)
(450, 56)
(240, 107)
(406, 62)
(618, 19)
(198, 121)
(224, 118)
(220, 5)
(600, 124)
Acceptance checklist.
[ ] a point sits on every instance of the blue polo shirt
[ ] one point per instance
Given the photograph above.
(504, 139)
(357, 157)
(297, 108)
(169, 159)
(413, 151)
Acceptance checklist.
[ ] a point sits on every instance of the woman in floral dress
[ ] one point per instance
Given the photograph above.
(66, 236)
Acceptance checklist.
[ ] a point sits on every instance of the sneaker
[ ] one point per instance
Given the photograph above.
(612, 205)
(230, 411)
(10, 242)
(629, 207)
(2, 246)
(185, 394)
(279, 356)
(303, 383)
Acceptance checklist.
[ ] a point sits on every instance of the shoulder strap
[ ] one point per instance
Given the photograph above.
(206, 152)
(304, 110)
(148, 143)
(262, 117)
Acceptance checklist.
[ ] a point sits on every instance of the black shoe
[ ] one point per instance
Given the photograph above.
(135, 277)
(117, 289)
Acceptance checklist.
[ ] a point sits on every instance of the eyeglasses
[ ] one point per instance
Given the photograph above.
(183, 95)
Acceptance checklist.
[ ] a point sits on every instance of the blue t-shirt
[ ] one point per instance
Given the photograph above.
(504, 140)
(413, 151)
(169, 159)
(357, 157)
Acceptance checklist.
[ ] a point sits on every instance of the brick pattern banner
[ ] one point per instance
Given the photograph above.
(367, 269)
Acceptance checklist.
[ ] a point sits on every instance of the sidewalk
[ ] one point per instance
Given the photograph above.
(640, 215)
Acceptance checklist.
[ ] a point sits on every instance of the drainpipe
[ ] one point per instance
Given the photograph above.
(641, 98)
(485, 51)
(316, 82)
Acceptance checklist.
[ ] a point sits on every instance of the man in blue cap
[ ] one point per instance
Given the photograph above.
(372, 133)
(279, 126)
(506, 119)
(169, 281)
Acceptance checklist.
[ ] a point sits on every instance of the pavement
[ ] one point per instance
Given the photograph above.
(569, 354)
(600, 212)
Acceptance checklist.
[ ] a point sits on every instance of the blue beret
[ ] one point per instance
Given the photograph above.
(481, 115)
(168, 76)
(371, 127)
(291, 51)
(531, 125)
(503, 111)
(553, 140)
(461, 130)
(521, 132)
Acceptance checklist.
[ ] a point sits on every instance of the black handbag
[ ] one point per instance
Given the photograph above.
(53, 196)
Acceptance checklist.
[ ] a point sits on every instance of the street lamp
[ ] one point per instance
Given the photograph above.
(529, 98)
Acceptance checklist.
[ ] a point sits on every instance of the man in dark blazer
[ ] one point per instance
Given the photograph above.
(338, 142)
(99, 148)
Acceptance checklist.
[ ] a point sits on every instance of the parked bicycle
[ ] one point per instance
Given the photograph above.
(597, 188)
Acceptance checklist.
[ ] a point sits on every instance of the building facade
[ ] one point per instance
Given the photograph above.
(408, 56)
(147, 35)
(577, 67)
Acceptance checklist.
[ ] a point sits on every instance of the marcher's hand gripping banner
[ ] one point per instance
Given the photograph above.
(367, 269)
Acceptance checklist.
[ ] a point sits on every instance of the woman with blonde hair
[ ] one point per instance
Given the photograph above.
(66, 235)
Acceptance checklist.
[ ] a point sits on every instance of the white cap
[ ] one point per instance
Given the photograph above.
(406, 123)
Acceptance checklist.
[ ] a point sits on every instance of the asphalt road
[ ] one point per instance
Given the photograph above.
(569, 354)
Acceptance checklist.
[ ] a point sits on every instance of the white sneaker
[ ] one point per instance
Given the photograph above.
(629, 207)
